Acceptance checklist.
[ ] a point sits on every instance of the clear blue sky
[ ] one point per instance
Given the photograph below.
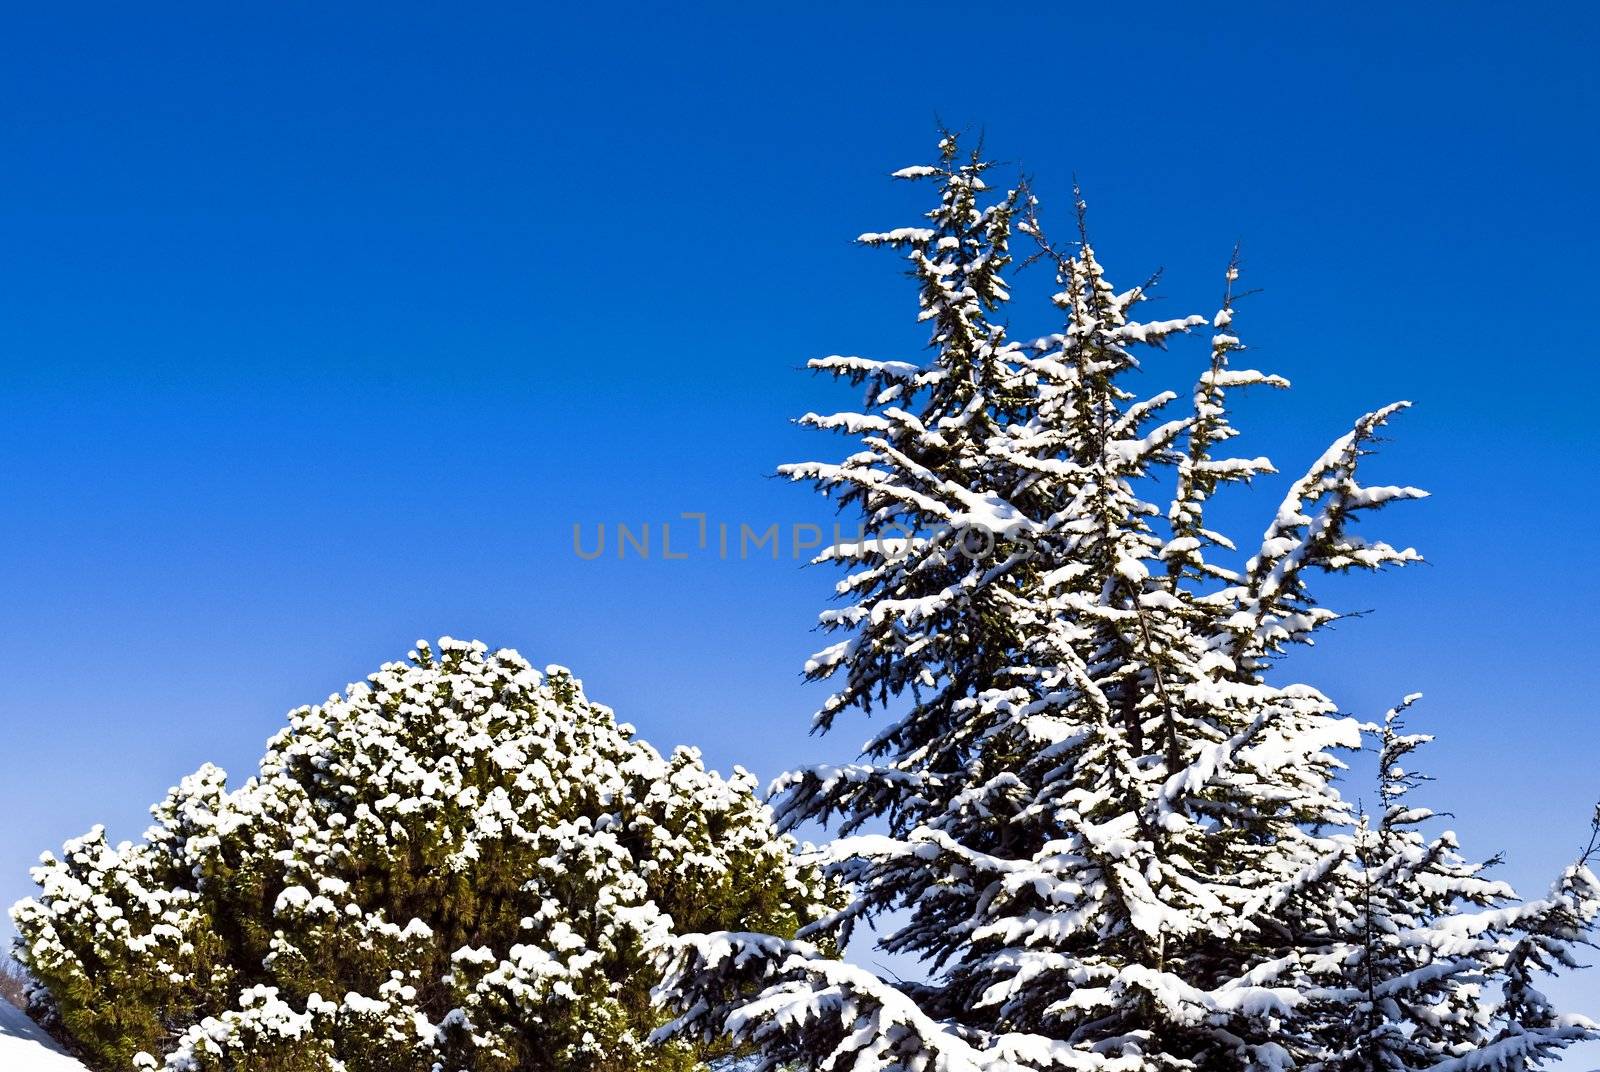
(320, 331)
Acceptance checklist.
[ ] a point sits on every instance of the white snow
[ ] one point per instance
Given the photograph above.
(25, 1048)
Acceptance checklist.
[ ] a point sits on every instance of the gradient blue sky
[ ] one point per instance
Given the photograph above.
(321, 330)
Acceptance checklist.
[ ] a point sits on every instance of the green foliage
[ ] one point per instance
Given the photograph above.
(460, 865)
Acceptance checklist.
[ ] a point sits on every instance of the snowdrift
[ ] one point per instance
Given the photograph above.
(25, 1048)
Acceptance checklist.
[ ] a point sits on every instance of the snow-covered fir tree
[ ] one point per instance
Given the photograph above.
(460, 864)
(1112, 840)
(1415, 931)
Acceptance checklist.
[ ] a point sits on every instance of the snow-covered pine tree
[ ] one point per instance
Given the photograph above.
(1418, 935)
(461, 865)
(928, 615)
(1112, 841)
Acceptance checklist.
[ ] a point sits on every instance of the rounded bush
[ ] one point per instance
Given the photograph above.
(460, 864)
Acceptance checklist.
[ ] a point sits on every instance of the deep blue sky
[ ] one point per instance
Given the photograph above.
(320, 331)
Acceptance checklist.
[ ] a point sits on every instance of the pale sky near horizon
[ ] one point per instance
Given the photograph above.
(321, 330)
